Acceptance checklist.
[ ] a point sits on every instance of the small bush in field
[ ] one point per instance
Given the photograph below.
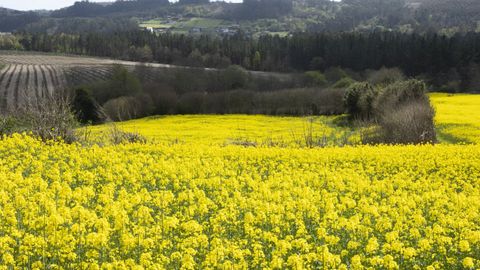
(405, 113)
(85, 107)
(409, 123)
(48, 118)
(359, 99)
(118, 136)
(399, 93)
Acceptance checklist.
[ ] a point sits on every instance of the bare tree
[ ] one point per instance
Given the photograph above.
(49, 117)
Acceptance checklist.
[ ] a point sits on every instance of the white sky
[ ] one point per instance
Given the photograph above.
(47, 4)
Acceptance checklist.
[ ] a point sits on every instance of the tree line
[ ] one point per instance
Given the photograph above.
(448, 62)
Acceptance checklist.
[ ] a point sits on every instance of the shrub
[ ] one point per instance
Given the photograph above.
(344, 83)
(85, 107)
(191, 103)
(216, 103)
(359, 99)
(235, 77)
(49, 118)
(385, 76)
(239, 101)
(117, 136)
(7, 124)
(126, 108)
(121, 83)
(188, 80)
(450, 87)
(411, 122)
(404, 114)
(335, 74)
(315, 78)
(328, 102)
(400, 93)
(165, 102)
(163, 97)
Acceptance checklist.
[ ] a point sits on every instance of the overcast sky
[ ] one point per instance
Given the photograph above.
(47, 4)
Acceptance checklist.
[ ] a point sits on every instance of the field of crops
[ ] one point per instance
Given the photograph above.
(20, 82)
(247, 130)
(28, 75)
(458, 117)
(197, 206)
(32, 74)
(457, 120)
(241, 192)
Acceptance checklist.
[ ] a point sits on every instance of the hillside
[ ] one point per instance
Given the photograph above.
(255, 17)
(33, 75)
(11, 20)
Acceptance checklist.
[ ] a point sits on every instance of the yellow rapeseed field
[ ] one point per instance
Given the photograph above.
(457, 117)
(223, 130)
(199, 196)
(197, 206)
(457, 120)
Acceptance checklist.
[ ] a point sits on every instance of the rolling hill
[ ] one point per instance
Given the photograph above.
(258, 17)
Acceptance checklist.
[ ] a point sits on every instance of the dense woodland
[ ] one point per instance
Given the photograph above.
(447, 63)
(445, 16)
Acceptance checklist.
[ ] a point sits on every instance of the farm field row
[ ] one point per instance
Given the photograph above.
(56, 72)
(199, 206)
(36, 58)
(26, 75)
(21, 82)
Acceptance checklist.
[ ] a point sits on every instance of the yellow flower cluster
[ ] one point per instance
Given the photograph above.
(457, 117)
(197, 206)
